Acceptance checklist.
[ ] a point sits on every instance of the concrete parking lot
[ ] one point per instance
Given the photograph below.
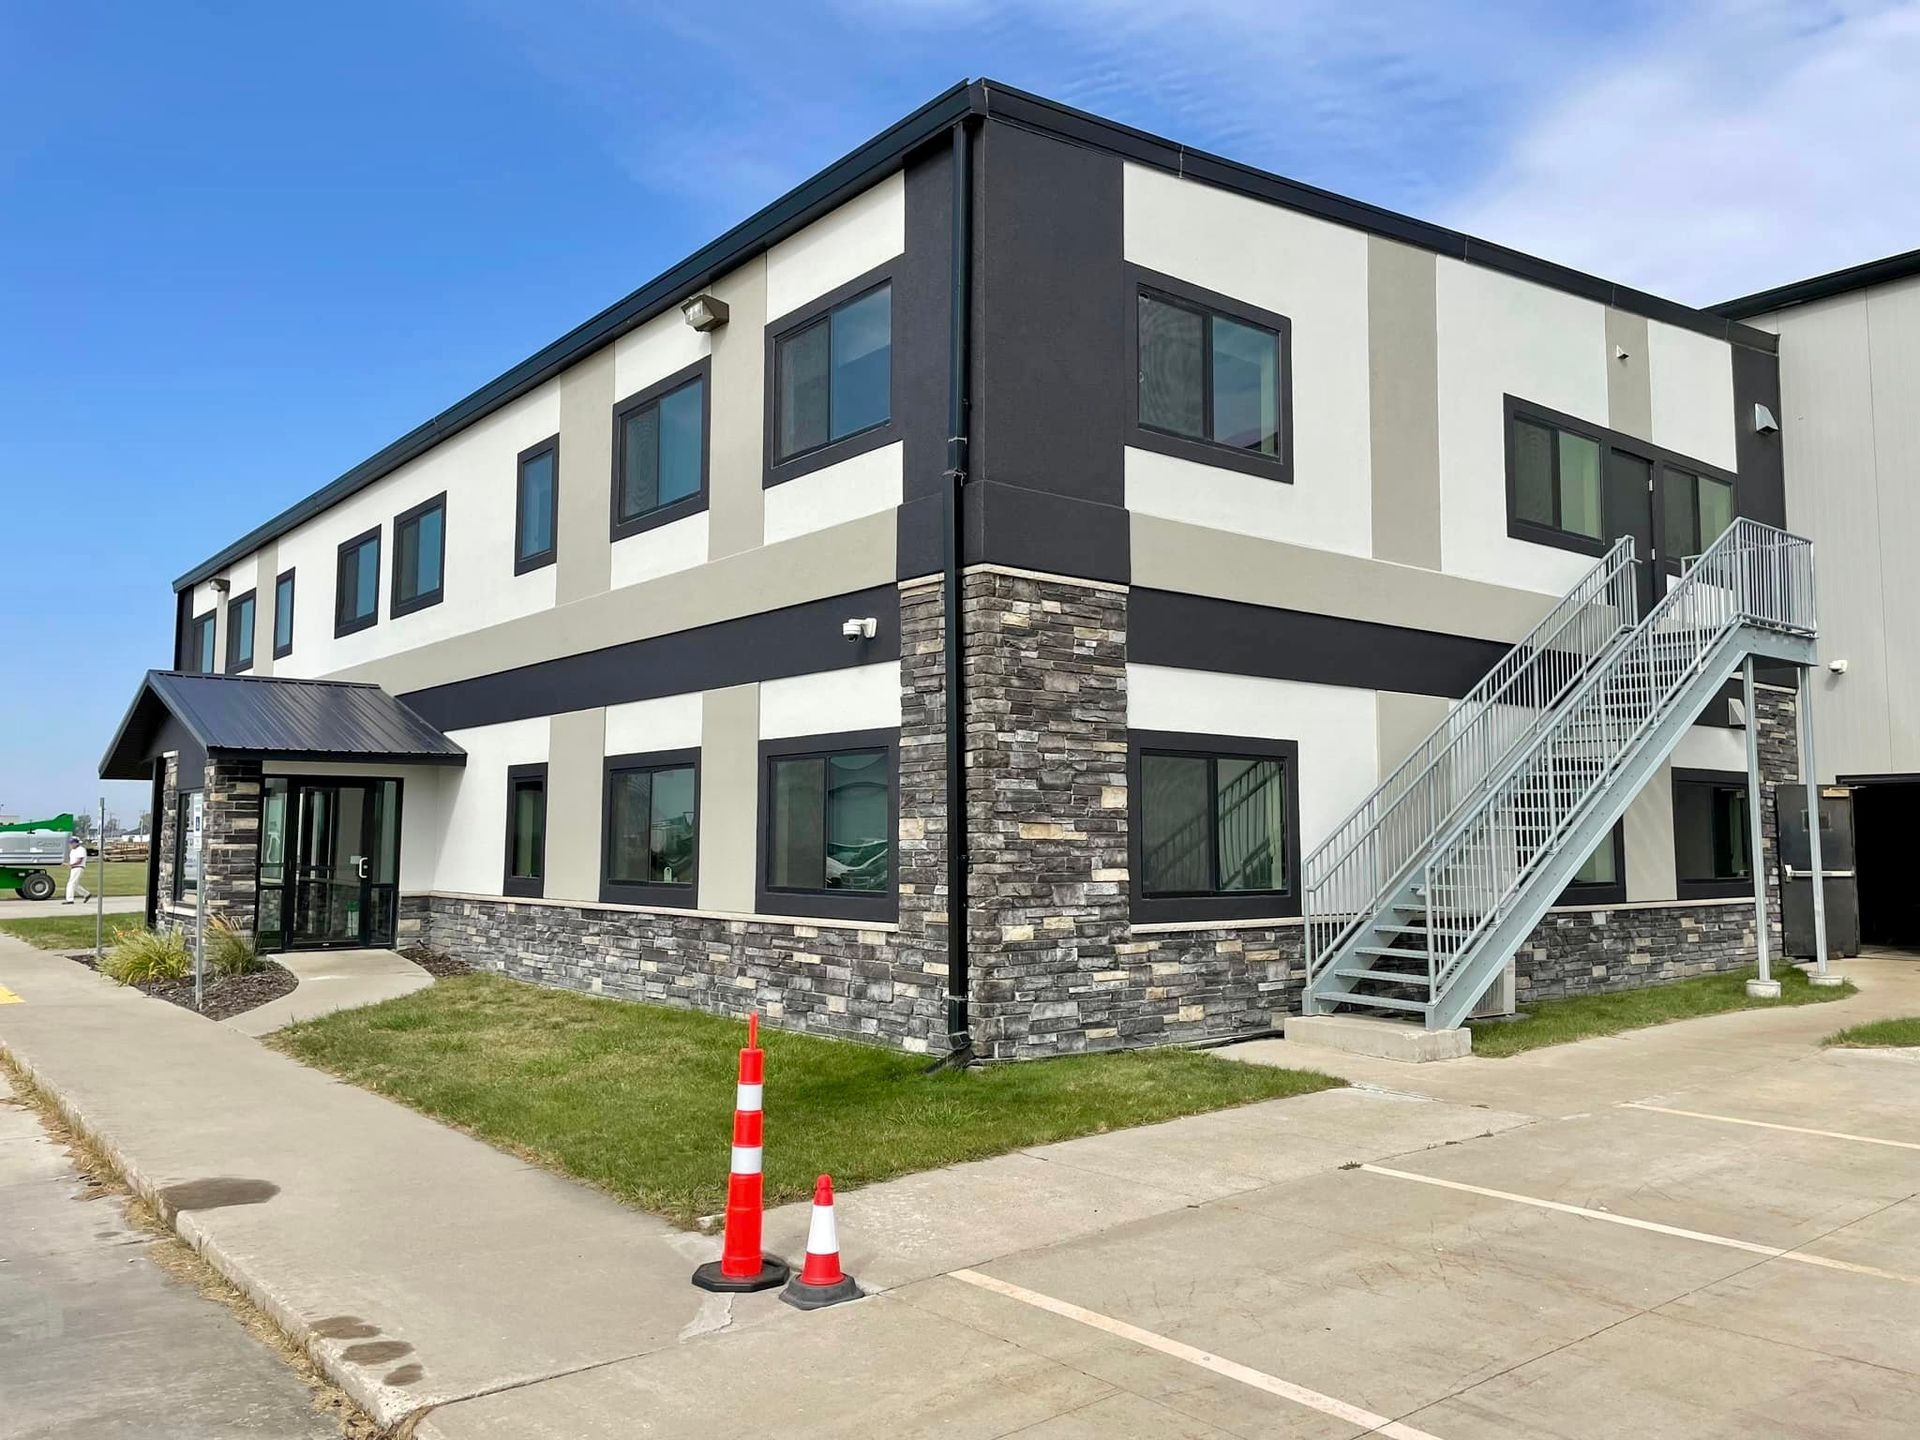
(1700, 1230)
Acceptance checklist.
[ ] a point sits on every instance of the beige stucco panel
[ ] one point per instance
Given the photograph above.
(1648, 836)
(584, 548)
(735, 503)
(1403, 362)
(729, 798)
(1629, 381)
(1405, 720)
(575, 752)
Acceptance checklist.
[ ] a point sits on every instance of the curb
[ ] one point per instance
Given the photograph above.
(394, 1411)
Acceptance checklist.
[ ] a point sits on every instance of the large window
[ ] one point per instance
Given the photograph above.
(1556, 479)
(1712, 842)
(660, 452)
(833, 374)
(201, 655)
(240, 610)
(526, 830)
(536, 506)
(652, 828)
(828, 806)
(419, 555)
(1694, 510)
(1212, 377)
(356, 590)
(283, 615)
(1215, 827)
(1600, 880)
(189, 815)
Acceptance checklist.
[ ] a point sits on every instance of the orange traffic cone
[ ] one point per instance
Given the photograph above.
(821, 1281)
(741, 1265)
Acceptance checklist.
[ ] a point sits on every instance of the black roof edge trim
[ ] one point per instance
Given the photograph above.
(886, 151)
(1822, 287)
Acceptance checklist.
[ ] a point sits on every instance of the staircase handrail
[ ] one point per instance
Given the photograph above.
(1753, 574)
(1346, 877)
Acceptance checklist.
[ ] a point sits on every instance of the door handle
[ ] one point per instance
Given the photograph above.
(360, 867)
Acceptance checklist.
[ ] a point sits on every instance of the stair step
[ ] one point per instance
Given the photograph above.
(1396, 977)
(1382, 1002)
(1390, 952)
(1403, 929)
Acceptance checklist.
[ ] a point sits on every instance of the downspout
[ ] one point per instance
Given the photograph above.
(959, 1029)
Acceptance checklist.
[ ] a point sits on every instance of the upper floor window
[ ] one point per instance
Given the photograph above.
(536, 506)
(1216, 829)
(652, 841)
(283, 615)
(660, 452)
(1556, 478)
(526, 831)
(834, 374)
(419, 555)
(1212, 378)
(356, 592)
(240, 610)
(1695, 510)
(200, 642)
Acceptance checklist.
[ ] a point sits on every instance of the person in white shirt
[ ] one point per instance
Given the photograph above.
(77, 872)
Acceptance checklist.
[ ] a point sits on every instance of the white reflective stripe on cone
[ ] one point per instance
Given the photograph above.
(746, 1159)
(747, 1097)
(822, 1237)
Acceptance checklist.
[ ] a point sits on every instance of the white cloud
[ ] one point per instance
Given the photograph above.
(1742, 146)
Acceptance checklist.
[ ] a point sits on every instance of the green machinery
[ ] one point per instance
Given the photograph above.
(28, 850)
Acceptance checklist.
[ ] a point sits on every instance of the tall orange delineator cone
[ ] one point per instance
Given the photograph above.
(741, 1265)
(821, 1281)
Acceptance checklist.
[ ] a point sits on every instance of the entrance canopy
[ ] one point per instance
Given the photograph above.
(270, 718)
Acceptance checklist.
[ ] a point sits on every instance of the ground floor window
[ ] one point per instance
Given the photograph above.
(1712, 838)
(189, 818)
(828, 805)
(652, 829)
(1215, 827)
(1601, 880)
(526, 830)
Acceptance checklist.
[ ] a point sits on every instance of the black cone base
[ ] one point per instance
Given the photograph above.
(803, 1296)
(773, 1271)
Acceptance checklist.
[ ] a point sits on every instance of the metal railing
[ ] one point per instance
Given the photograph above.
(1367, 856)
(1753, 575)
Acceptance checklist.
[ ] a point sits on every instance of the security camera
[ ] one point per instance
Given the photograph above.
(863, 629)
(1839, 667)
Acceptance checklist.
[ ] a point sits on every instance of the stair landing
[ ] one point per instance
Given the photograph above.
(1382, 1039)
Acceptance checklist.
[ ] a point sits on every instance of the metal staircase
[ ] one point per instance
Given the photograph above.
(1415, 902)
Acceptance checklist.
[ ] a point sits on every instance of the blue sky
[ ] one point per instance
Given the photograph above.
(243, 246)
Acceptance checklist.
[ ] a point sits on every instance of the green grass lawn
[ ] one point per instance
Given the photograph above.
(124, 877)
(67, 932)
(1555, 1022)
(638, 1099)
(1902, 1032)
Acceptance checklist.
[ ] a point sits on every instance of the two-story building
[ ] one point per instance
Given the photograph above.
(629, 672)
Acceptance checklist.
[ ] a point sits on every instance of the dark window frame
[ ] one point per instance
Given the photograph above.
(182, 803)
(521, 886)
(1660, 459)
(1145, 909)
(1690, 473)
(1610, 892)
(876, 906)
(779, 470)
(200, 646)
(1142, 281)
(235, 665)
(621, 892)
(286, 578)
(397, 604)
(524, 562)
(619, 528)
(343, 624)
(1684, 888)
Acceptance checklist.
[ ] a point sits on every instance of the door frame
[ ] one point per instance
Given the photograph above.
(295, 782)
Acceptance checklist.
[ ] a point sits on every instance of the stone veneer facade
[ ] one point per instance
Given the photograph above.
(229, 842)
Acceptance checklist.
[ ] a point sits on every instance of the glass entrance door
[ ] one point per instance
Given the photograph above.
(342, 890)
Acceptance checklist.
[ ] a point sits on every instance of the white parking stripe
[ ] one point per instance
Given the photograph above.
(1772, 1252)
(1770, 1125)
(1206, 1360)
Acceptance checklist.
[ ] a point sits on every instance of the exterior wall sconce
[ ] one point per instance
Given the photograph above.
(221, 585)
(1763, 421)
(703, 312)
(863, 628)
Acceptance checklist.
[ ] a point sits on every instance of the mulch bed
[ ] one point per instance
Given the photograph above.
(437, 963)
(225, 994)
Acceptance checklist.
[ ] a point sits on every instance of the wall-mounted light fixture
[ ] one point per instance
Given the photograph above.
(1838, 667)
(703, 312)
(1620, 353)
(221, 586)
(1763, 421)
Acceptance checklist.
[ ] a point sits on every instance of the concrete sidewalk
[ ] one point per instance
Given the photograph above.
(332, 980)
(39, 909)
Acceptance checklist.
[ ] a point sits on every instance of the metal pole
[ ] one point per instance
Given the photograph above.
(1763, 986)
(200, 912)
(100, 889)
(1810, 776)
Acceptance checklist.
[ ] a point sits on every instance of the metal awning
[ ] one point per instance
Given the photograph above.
(271, 718)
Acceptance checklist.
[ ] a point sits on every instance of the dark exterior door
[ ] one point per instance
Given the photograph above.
(332, 864)
(1796, 871)
(1629, 511)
